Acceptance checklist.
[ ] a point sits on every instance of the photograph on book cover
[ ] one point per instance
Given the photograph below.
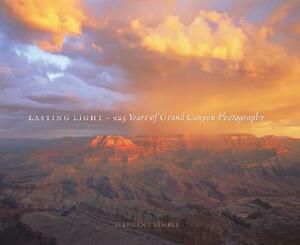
(149, 122)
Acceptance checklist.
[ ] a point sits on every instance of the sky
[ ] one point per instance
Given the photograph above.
(148, 56)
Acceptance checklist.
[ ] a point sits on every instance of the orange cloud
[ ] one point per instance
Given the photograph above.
(214, 39)
(59, 18)
(280, 13)
(209, 35)
(207, 64)
(212, 64)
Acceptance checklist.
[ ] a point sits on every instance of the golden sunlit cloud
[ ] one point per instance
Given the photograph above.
(212, 64)
(59, 18)
(198, 61)
(210, 34)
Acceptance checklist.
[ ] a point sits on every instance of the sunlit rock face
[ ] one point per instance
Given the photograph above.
(95, 141)
(113, 149)
(115, 142)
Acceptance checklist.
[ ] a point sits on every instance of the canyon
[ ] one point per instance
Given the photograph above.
(219, 189)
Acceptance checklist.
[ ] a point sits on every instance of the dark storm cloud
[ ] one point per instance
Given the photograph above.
(52, 98)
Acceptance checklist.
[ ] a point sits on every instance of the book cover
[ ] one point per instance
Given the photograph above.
(129, 122)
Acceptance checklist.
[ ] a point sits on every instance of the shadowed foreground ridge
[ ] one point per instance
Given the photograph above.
(226, 189)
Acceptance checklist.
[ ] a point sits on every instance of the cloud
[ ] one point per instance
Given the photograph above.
(26, 88)
(151, 56)
(52, 98)
(168, 73)
(57, 18)
(209, 35)
(280, 13)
